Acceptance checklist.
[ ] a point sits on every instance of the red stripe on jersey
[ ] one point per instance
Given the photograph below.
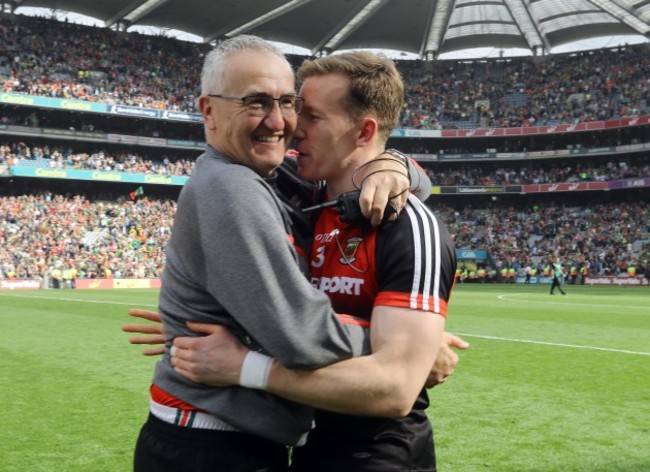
(301, 252)
(163, 398)
(403, 300)
(353, 320)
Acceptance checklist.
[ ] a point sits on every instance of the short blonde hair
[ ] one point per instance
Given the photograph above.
(376, 86)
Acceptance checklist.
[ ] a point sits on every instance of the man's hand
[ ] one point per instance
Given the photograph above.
(446, 359)
(382, 179)
(155, 334)
(214, 359)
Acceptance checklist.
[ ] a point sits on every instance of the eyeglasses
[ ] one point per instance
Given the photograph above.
(262, 105)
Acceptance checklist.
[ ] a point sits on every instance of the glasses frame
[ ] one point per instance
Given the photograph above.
(267, 106)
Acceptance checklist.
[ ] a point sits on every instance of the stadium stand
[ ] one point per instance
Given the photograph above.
(529, 158)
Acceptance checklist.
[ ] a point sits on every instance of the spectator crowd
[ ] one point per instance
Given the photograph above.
(575, 88)
(115, 237)
(48, 235)
(606, 237)
(111, 238)
(64, 157)
(534, 172)
(537, 172)
(65, 60)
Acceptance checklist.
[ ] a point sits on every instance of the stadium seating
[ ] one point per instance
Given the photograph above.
(77, 98)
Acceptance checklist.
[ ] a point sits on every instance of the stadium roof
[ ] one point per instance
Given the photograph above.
(427, 28)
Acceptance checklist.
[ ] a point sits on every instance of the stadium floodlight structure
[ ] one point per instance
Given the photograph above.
(626, 15)
(133, 12)
(358, 18)
(258, 20)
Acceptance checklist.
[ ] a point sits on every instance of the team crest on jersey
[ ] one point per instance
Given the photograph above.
(349, 253)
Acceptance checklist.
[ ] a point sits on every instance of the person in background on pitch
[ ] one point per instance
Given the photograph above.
(557, 274)
(398, 279)
(249, 108)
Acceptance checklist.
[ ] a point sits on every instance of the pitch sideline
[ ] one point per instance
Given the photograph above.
(544, 343)
(468, 335)
(506, 298)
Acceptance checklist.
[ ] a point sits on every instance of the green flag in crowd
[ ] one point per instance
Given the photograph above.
(136, 193)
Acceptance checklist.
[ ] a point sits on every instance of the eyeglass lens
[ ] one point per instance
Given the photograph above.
(263, 104)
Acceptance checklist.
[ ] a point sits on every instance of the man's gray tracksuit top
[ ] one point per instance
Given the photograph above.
(230, 261)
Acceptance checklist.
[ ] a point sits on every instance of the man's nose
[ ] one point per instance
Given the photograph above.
(275, 119)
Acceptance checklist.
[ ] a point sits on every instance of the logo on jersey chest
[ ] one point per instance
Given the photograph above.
(327, 242)
(349, 251)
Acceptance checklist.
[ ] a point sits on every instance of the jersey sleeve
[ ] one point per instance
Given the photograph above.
(416, 261)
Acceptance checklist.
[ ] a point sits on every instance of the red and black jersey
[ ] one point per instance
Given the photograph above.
(408, 264)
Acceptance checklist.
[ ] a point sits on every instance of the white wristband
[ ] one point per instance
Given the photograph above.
(255, 370)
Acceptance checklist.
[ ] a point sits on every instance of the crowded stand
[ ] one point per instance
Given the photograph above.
(72, 61)
(41, 57)
(59, 156)
(558, 171)
(58, 230)
(45, 234)
(114, 236)
(575, 88)
(56, 156)
(51, 118)
(605, 237)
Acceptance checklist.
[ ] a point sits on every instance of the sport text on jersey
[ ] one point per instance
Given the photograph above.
(344, 285)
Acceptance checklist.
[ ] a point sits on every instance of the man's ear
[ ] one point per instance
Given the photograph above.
(205, 106)
(367, 132)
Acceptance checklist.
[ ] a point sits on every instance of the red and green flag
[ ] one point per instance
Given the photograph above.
(136, 193)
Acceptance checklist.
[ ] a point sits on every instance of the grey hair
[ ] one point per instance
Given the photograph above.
(213, 73)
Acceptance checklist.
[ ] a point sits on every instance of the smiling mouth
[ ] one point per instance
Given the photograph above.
(269, 139)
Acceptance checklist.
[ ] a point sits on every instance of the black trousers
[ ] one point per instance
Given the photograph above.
(164, 447)
(556, 283)
(362, 444)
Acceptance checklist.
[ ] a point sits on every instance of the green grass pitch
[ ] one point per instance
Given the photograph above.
(550, 383)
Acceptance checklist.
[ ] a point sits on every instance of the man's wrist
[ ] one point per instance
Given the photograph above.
(399, 156)
(404, 160)
(387, 161)
(255, 370)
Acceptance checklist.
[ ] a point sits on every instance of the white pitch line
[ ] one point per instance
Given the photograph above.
(81, 300)
(496, 338)
(544, 343)
(506, 298)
